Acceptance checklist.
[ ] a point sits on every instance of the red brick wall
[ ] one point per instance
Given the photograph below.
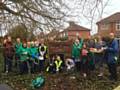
(112, 28)
(83, 34)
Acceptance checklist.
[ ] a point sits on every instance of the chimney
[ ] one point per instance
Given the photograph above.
(71, 23)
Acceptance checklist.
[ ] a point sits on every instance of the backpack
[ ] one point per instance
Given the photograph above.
(38, 82)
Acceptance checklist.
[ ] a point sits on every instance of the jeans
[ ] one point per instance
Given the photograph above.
(8, 64)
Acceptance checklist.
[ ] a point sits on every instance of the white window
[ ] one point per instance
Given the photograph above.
(118, 25)
(104, 26)
(77, 34)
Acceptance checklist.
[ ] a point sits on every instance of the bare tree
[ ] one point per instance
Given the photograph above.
(45, 14)
(88, 10)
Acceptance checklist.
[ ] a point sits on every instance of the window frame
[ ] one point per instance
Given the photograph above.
(104, 26)
(117, 25)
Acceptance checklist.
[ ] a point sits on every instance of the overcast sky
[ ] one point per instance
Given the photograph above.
(112, 7)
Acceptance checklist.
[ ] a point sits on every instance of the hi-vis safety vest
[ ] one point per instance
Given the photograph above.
(45, 50)
(58, 64)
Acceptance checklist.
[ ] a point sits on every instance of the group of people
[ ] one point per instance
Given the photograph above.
(29, 57)
(86, 56)
(92, 54)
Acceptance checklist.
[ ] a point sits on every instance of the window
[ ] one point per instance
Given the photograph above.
(77, 34)
(118, 25)
(104, 26)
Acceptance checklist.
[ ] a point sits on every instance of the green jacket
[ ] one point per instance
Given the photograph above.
(91, 58)
(17, 48)
(24, 54)
(76, 50)
(33, 51)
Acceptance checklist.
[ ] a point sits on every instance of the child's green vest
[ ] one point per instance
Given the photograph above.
(24, 54)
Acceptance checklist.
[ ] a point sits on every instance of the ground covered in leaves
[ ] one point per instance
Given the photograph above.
(60, 81)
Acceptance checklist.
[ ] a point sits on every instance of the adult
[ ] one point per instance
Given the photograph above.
(18, 45)
(99, 55)
(8, 51)
(76, 52)
(112, 53)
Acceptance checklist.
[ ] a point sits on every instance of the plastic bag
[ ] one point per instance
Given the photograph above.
(38, 82)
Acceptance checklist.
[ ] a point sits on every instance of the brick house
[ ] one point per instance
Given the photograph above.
(75, 30)
(52, 35)
(109, 24)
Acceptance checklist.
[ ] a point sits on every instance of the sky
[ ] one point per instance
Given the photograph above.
(112, 7)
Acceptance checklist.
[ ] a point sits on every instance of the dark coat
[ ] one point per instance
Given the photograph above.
(112, 52)
(8, 50)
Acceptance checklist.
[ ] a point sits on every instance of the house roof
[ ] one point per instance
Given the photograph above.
(75, 27)
(112, 18)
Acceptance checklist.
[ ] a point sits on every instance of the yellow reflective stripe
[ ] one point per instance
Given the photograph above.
(58, 64)
(47, 69)
(45, 47)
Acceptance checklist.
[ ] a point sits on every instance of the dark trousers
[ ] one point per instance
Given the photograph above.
(52, 69)
(113, 71)
(8, 64)
(23, 67)
(17, 58)
(32, 66)
(84, 64)
(41, 65)
(78, 65)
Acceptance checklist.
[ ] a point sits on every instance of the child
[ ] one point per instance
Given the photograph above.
(42, 56)
(23, 58)
(33, 53)
(69, 64)
(58, 63)
(84, 58)
(51, 68)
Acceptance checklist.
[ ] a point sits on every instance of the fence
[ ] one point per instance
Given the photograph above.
(63, 48)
